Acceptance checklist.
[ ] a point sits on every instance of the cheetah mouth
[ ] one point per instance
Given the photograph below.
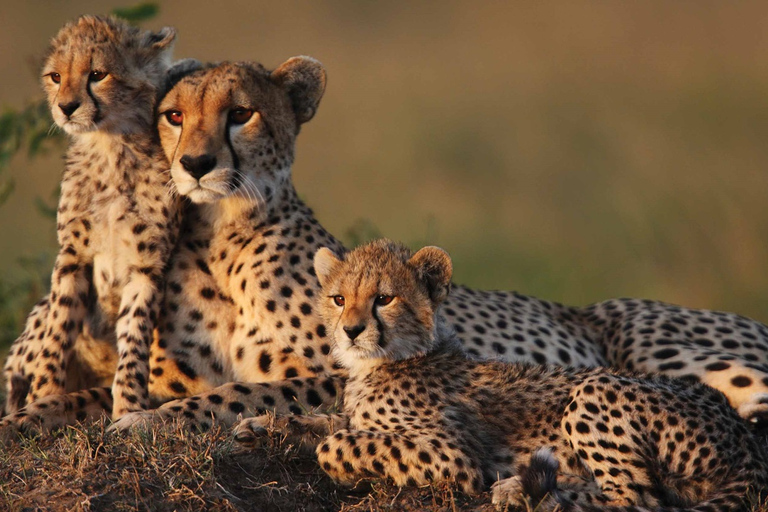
(201, 194)
(76, 126)
(365, 350)
(210, 188)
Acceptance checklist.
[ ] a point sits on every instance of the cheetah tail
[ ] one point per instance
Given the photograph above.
(539, 484)
(735, 496)
(539, 479)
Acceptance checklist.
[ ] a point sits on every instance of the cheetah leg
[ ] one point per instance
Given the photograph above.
(743, 382)
(351, 455)
(619, 469)
(306, 432)
(20, 359)
(138, 312)
(69, 292)
(745, 385)
(229, 403)
(55, 411)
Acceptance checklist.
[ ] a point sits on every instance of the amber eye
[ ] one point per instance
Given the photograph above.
(240, 115)
(174, 117)
(383, 300)
(338, 300)
(55, 77)
(97, 76)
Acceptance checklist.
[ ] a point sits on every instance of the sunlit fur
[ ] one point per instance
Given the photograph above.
(404, 328)
(134, 60)
(116, 221)
(253, 159)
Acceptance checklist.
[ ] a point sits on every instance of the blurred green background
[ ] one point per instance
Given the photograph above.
(574, 151)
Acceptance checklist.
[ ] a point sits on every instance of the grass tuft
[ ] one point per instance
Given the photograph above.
(168, 467)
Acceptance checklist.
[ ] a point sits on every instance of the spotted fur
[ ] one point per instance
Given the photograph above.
(241, 295)
(116, 221)
(417, 410)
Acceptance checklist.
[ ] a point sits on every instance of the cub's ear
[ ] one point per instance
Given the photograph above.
(434, 268)
(160, 40)
(303, 78)
(325, 262)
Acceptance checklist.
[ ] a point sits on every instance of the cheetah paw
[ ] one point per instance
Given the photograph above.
(10, 429)
(134, 420)
(253, 432)
(755, 412)
(508, 492)
(33, 419)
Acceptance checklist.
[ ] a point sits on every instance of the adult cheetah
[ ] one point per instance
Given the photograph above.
(252, 287)
(116, 221)
(417, 410)
(241, 292)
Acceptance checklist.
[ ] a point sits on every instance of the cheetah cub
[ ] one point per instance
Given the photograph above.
(416, 410)
(116, 223)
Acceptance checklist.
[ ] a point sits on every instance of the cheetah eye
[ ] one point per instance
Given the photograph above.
(339, 300)
(55, 77)
(240, 115)
(383, 300)
(97, 76)
(174, 117)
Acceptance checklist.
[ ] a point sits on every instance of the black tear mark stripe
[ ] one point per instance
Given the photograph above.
(97, 116)
(382, 342)
(237, 178)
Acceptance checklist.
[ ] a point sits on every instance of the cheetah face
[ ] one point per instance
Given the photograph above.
(229, 130)
(103, 74)
(379, 301)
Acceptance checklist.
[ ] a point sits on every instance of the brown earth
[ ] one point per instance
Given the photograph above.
(169, 468)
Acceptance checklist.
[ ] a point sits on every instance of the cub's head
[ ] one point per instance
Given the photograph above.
(230, 129)
(380, 301)
(103, 74)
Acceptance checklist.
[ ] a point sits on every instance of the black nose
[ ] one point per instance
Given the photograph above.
(198, 166)
(69, 108)
(354, 331)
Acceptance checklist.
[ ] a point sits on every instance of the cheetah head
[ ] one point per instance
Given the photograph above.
(229, 130)
(103, 74)
(379, 302)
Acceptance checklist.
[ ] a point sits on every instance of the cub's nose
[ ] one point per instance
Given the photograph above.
(354, 331)
(198, 166)
(69, 108)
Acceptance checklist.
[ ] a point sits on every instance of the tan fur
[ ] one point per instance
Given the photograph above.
(416, 410)
(116, 222)
(248, 242)
(241, 296)
(204, 343)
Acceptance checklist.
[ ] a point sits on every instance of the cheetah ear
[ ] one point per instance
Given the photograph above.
(160, 40)
(303, 78)
(434, 268)
(325, 263)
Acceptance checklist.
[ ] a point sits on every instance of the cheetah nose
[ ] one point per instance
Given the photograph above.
(198, 166)
(69, 108)
(354, 332)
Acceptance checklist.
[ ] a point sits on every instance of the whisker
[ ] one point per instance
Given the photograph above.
(171, 190)
(52, 129)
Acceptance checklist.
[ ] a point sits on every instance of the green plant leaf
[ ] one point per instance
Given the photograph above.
(137, 13)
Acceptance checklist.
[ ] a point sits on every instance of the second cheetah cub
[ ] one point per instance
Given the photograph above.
(416, 410)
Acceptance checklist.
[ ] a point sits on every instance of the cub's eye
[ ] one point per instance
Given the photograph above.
(174, 117)
(338, 300)
(55, 77)
(383, 300)
(97, 76)
(240, 115)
